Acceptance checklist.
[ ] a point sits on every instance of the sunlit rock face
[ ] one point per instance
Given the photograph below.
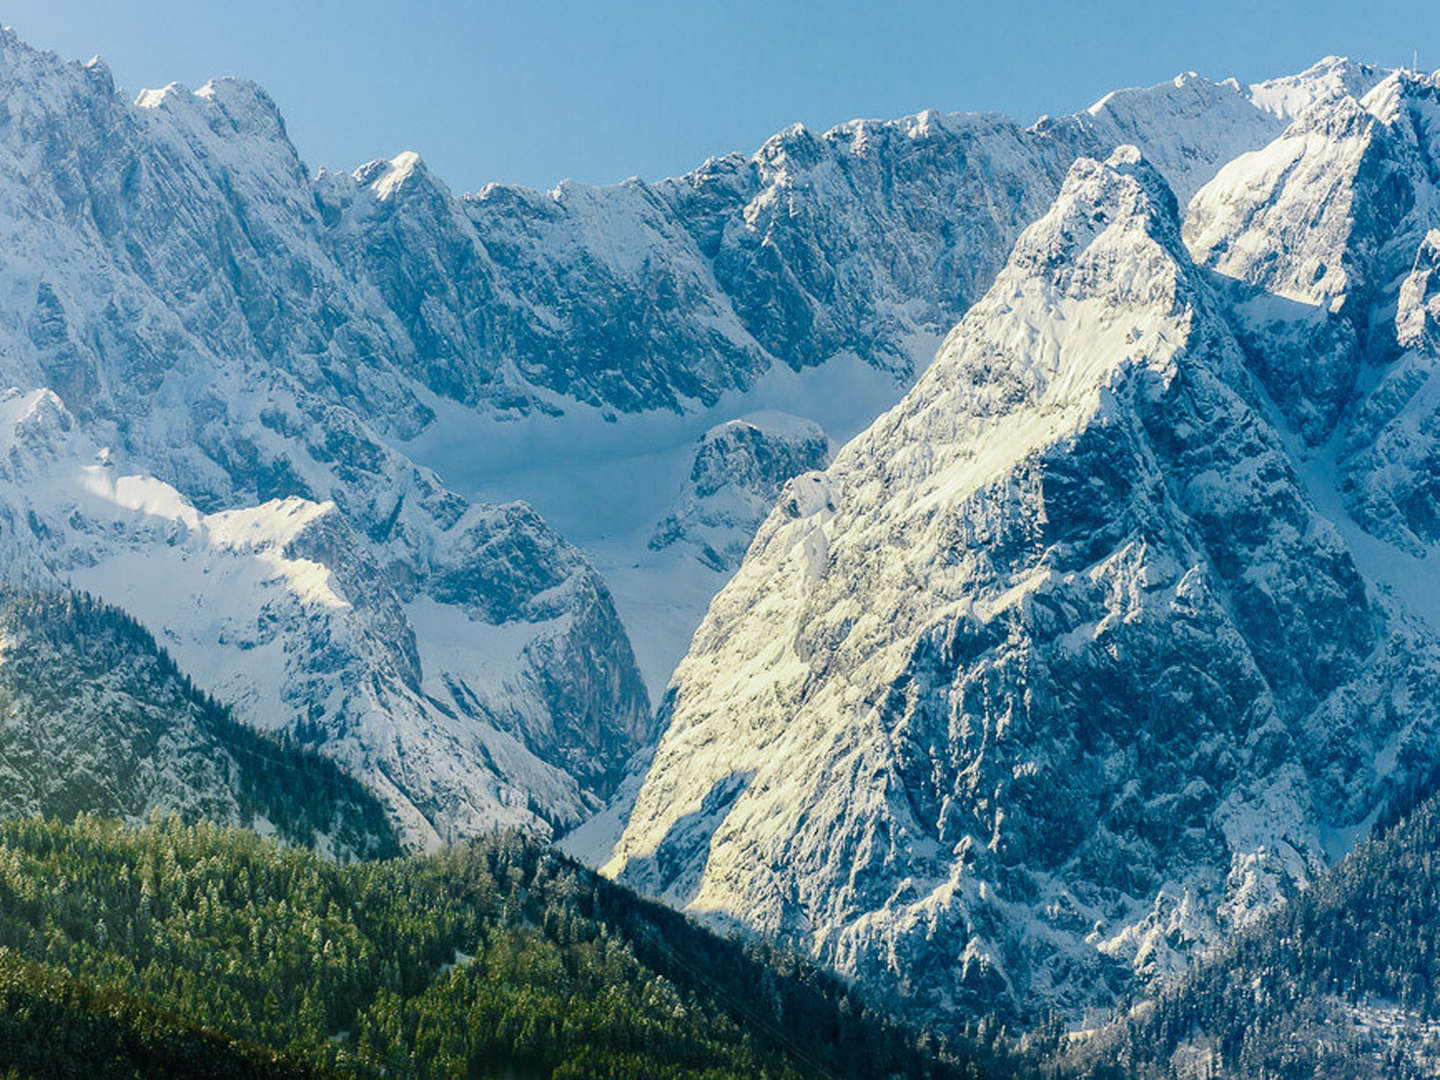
(1104, 639)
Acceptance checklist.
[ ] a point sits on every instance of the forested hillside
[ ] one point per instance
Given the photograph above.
(501, 958)
(95, 717)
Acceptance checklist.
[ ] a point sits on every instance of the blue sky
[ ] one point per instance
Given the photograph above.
(536, 92)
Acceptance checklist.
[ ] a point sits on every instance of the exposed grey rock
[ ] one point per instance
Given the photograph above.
(735, 480)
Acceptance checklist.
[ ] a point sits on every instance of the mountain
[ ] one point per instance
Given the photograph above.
(290, 615)
(284, 419)
(198, 393)
(95, 718)
(738, 472)
(242, 331)
(1092, 650)
(496, 958)
(837, 260)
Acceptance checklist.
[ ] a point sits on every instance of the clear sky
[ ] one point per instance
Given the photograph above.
(536, 92)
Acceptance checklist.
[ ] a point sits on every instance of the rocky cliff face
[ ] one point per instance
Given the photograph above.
(738, 472)
(1089, 650)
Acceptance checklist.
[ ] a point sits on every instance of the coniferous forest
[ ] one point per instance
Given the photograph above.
(174, 948)
(184, 947)
(96, 717)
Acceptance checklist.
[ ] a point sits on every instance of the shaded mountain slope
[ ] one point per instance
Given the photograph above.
(95, 718)
(1341, 982)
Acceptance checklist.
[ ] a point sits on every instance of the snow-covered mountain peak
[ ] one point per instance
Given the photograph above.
(1315, 232)
(797, 144)
(807, 660)
(34, 427)
(1399, 92)
(246, 340)
(1187, 90)
(1092, 291)
(1108, 215)
(18, 56)
(1329, 79)
(1096, 288)
(161, 97)
(1122, 194)
(246, 104)
(1187, 127)
(386, 177)
(231, 121)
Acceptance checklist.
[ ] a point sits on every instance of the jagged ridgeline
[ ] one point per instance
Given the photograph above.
(500, 958)
(96, 718)
(226, 365)
(1344, 981)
